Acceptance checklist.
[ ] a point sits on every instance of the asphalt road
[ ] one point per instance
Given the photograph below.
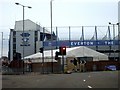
(105, 79)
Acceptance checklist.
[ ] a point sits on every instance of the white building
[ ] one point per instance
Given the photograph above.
(34, 34)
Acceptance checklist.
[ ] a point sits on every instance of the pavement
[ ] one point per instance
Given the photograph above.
(103, 79)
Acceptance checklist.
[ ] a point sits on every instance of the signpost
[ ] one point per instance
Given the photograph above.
(62, 51)
(42, 51)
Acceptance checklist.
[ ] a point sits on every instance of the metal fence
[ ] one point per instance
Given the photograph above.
(85, 32)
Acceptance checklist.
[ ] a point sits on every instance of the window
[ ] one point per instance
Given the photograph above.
(36, 33)
(14, 46)
(14, 33)
(36, 39)
(14, 40)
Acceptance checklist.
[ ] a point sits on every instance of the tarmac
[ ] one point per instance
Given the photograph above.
(101, 79)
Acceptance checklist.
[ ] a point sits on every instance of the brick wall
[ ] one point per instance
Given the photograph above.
(46, 67)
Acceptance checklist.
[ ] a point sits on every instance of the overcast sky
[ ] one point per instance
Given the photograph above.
(65, 13)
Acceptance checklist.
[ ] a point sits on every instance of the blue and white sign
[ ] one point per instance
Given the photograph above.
(25, 39)
(93, 43)
(83, 43)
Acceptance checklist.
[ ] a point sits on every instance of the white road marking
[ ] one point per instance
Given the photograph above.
(89, 87)
(84, 80)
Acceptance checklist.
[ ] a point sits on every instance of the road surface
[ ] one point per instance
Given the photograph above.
(104, 79)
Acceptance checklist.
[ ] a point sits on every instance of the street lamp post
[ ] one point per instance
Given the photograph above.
(118, 40)
(51, 33)
(2, 45)
(113, 36)
(23, 28)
